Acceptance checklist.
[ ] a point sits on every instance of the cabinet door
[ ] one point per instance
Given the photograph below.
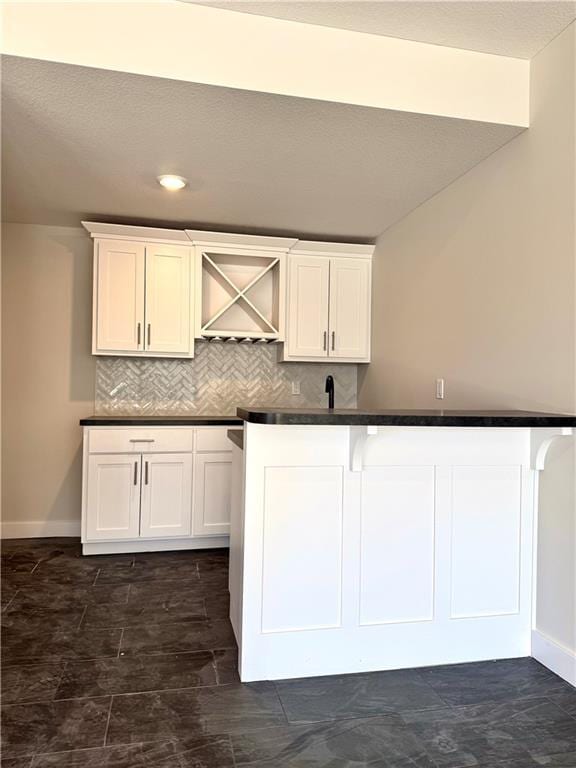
(168, 300)
(113, 497)
(119, 300)
(212, 482)
(350, 308)
(166, 495)
(307, 310)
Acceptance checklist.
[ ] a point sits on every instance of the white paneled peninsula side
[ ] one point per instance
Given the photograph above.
(371, 541)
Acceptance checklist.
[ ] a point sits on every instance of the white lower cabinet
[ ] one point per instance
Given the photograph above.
(166, 495)
(113, 497)
(212, 480)
(155, 488)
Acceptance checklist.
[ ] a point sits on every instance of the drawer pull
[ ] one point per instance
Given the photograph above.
(145, 473)
(139, 334)
(333, 340)
(142, 440)
(324, 344)
(149, 335)
(135, 473)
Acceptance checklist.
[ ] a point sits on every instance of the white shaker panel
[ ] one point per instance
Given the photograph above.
(307, 317)
(302, 536)
(397, 545)
(119, 297)
(113, 497)
(485, 541)
(166, 495)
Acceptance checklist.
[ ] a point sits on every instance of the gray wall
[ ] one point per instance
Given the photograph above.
(47, 372)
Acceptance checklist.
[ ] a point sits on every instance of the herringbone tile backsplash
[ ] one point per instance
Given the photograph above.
(219, 379)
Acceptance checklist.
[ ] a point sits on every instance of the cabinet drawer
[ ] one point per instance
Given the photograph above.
(140, 440)
(210, 439)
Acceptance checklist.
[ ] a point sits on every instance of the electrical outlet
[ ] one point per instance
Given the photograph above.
(295, 387)
(439, 389)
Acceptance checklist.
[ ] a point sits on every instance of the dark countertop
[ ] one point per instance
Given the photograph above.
(159, 421)
(237, 437)
(399, 418)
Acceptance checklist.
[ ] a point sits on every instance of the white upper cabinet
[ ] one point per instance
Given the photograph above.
(119, 296)
(157, 290)
(328, 306)
(308, 294)
(143, 294)
(349, 316)
(168, 300)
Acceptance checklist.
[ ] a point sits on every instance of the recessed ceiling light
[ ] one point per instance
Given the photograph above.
(168, 181)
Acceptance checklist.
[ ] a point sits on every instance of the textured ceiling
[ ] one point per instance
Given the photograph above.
(87, 143)
(517, 28)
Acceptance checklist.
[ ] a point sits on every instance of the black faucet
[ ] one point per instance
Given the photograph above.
(330, 389)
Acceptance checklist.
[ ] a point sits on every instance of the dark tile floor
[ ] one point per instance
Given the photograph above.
(130, 662)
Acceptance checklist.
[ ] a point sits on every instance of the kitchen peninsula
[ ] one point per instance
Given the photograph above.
(365, 541)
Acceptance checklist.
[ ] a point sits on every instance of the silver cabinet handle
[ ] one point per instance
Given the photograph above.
(333, 340)
(139, 332)
(135, 473)
(149, 333)
(325, 340)
(141, 440)
(145, 473)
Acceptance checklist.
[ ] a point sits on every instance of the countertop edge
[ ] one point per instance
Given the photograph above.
(404, 420)
(160, 421)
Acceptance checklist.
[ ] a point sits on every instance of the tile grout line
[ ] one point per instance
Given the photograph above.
(233, 751)
(124, 694)
(120, 642)
(108, 720)
(9, 603)
(63, 669)
(559, 706)
(281, 702)
(43, 662)
(56, 701)
(92, 749)
(421, 677)
(82, 617)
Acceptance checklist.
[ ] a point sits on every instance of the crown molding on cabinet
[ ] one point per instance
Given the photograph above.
(315, 248)
(227, 240)
(134, 233)
(232, 240)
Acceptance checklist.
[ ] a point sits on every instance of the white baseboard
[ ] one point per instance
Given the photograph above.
(32, 529)
(556, 657)
(155, 545)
